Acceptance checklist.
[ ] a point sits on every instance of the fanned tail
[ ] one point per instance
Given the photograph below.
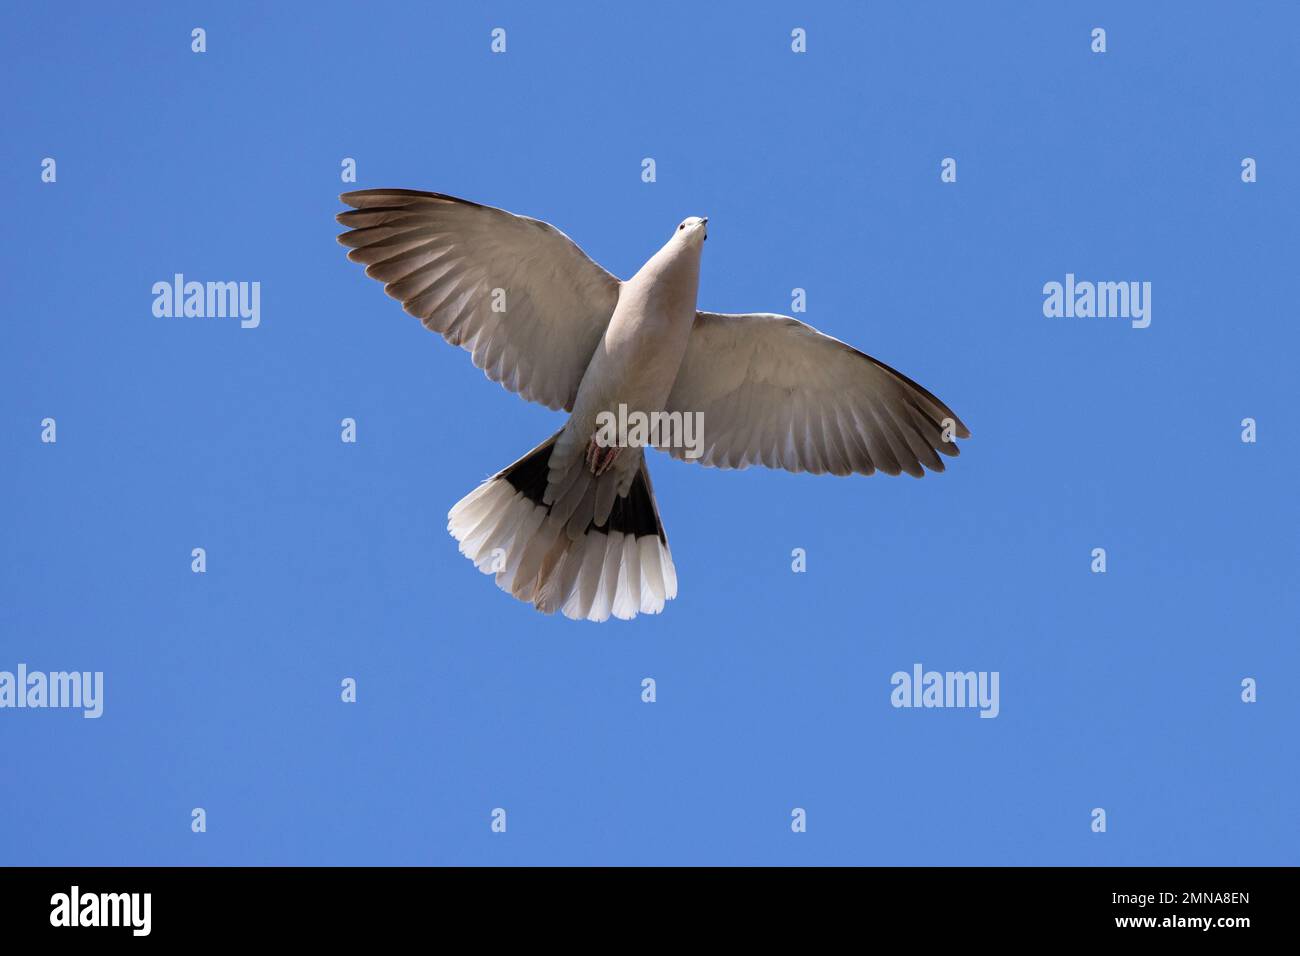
(621, 568)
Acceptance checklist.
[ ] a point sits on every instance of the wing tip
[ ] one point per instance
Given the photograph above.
(365, 198)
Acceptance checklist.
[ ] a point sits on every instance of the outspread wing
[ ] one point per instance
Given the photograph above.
(516, 293)
(776, 392)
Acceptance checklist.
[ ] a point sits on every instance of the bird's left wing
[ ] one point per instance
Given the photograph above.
(516, 293)
(776, 392)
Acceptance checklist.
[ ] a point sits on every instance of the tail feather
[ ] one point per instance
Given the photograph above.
(534, 545)
(580, 602)
(627, 597)
(565, 561)
(563, 582)
(652, 577)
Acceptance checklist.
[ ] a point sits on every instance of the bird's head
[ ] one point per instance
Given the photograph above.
(693, 229)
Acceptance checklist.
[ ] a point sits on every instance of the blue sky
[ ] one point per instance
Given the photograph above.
(819, 171)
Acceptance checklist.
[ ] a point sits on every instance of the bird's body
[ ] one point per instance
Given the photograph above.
(635, 363)
(642, 349)
(573, 525)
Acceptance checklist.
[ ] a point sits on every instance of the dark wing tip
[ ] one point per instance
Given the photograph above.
(365, 198)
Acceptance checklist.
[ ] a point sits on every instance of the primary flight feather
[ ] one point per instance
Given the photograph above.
(573, 525)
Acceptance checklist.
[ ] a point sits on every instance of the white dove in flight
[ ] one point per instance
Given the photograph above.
(573, 525)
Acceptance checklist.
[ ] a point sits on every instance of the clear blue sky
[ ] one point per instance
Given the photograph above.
(818, 171)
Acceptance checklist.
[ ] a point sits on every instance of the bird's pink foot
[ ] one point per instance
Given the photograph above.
(600, 457)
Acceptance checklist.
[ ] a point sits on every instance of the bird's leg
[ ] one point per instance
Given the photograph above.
(600, 457)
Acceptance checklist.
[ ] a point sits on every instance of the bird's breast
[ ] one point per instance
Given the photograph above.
(637, 360)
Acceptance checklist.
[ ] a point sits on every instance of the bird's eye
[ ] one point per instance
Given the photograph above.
(681, 227)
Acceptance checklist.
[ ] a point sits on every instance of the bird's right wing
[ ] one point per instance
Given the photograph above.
(776, 392)
(516, 293)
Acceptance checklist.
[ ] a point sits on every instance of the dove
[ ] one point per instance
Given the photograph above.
(573, 526)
